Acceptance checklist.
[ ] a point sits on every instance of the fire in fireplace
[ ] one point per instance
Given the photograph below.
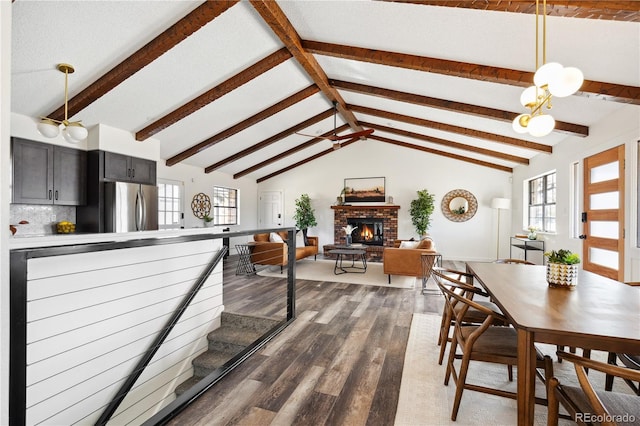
(369, 231)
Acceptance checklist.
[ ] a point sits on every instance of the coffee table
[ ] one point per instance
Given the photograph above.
(339, 268)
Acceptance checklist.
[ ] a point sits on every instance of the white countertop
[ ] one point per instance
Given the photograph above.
(33, 241)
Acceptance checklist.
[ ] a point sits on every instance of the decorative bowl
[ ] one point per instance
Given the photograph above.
(65, 227)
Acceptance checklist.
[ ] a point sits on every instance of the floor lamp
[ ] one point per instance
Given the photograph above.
(500, 204)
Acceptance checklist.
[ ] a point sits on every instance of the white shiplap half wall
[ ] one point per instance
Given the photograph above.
(92, 316)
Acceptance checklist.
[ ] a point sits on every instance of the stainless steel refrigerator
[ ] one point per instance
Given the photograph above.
(130, 207)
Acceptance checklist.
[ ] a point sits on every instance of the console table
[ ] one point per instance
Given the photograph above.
(526, 245)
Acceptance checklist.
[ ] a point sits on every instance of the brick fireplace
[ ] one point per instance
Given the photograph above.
(387, 213)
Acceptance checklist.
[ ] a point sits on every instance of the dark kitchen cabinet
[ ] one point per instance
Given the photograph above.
(48, 174)
(123, 168)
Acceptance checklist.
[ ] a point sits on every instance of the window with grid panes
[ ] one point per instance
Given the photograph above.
(225, 206)
(169, 205)
(542, 203)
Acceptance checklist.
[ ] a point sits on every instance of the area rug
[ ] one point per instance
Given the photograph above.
(425, 400)
(322, 270)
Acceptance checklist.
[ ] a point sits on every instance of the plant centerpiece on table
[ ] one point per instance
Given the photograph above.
(421, 210)
(208, 220)
(562, 268)
(304, 216)
(532, 232)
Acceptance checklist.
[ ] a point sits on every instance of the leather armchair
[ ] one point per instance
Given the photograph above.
(406, 261)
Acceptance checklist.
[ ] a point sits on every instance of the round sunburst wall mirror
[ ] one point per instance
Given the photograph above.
(459, 205)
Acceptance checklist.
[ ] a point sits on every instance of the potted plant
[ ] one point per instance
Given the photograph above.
(562, 268)
(208, 221)
(304, 215)
(421, 210)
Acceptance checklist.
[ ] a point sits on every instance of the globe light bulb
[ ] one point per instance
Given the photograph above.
(529, 96)
(541, 125)
(519, 123)
(48, 128)
(546, 73)
(567, 82)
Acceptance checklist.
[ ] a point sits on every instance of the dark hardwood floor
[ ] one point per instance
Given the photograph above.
(339, 363)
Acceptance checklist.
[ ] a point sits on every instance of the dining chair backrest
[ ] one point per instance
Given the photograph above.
(456, 291)
(598, 407)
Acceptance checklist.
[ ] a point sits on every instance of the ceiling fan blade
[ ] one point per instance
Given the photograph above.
(359, 134)
(330, 138)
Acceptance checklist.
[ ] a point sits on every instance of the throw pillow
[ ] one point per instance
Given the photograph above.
(427, 243)
(299, 239)
(409, 244)
(275, 238)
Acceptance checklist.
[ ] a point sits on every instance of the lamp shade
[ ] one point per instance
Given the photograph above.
(48, 128)
(547, 73)
(541, 125)
(74, 132)
(567, 82)
(518, 125)
(529, 96)
(501, 203)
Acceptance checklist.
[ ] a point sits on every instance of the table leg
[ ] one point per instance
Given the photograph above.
(338, 268)
(526, 377)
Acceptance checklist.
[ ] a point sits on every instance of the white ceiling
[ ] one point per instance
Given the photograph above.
(95, 36)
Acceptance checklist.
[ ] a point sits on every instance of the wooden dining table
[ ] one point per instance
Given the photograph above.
(599, 313)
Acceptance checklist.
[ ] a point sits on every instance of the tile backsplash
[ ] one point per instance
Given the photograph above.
(42, 218)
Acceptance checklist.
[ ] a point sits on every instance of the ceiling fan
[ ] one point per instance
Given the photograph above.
(335, 137)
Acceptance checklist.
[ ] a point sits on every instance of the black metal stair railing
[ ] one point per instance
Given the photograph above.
(159, 340)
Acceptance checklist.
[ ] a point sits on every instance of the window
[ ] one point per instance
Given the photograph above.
(225, 206)
(170, 204)
(542, 203)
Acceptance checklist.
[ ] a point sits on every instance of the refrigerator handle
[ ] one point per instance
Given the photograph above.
(141, 211)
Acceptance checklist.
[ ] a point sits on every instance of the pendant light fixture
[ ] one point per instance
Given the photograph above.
(551, 79)
(72, 131)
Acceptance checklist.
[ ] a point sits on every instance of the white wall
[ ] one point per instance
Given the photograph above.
(406, 171)
(5, 118)
(620, 128)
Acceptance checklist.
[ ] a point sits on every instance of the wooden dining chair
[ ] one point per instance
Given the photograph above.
(584, 403)
(629, 361)
(472, 316)
(485, 343)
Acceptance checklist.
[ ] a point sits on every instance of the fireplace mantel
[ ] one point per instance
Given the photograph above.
(360, 207)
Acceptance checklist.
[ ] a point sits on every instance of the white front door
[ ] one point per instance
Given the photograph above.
(271, 206)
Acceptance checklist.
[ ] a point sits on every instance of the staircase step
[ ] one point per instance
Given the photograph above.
(208, 361)
(248, 321)
(186, 385)
(235, 333)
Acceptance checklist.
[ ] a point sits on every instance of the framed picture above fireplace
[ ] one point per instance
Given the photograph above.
(364, 190)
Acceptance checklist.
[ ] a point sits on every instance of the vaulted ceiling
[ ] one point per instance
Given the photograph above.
(227, 85)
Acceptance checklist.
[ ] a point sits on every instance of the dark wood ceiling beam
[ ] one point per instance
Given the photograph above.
(306, 160)
(263, 144)
(275, 18)
(217, 92)
(169, 38)
(449, 144)
(452, 129)
(288, 152)
(506, 116)
(610, 10)
(442, 153)
(272, 110)
(593, 89)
